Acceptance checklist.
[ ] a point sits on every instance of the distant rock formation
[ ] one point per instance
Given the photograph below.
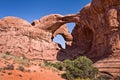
(95, 35)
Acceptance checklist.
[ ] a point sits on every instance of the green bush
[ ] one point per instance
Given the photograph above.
(7, 53)
(78, 69)
(46, 63)
(103, 77)
(58, 65)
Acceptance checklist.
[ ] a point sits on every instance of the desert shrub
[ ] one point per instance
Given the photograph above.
(22, 61)
(58, 65)
(3, 71)
(103, 77)
(9, 67)
(47, 63)
(21, 68)
(9, 73)
(7, 53)
(23, 56)
(78, 69)
(20, 75)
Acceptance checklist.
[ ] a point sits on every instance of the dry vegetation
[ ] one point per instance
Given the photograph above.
(20, 68)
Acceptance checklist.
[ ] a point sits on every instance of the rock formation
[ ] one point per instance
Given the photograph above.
(34, 41)
(95, 35)
(52, 24)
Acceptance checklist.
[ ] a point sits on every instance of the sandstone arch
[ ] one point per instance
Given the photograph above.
(53, 24)
(96, 35)
(63, 31)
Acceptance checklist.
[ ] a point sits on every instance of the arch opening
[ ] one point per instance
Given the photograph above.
(70, 26)
(62, 37)
(60, 40)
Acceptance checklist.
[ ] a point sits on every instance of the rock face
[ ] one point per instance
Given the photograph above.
(54, 25)
(95, 35)
(34, 41)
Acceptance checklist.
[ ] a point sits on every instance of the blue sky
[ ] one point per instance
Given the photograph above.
(35, 9)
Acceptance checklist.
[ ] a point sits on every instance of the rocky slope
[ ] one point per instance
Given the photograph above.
(19, 68)
(95, 35)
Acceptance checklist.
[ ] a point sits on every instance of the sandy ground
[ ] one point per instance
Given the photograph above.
(38, 75)
(35, 71)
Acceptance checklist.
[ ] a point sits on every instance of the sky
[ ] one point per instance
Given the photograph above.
(35, 9)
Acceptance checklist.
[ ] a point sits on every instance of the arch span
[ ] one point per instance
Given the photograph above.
(56, 25)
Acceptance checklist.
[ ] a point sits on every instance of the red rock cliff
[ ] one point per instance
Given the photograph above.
(97, 34)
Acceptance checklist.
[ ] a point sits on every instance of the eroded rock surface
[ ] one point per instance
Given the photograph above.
(95, 35)
(98, 29)
(18, 36)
